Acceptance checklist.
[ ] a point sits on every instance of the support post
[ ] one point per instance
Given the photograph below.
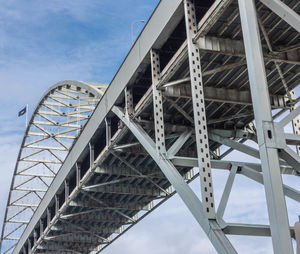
(56, 203)
(129, 101)
(29, 245)
(108, 131)
(199, 111)
(67, 190)
(262, 110)
(78, 173)
(92, 154)
(41, 228)
(34, 237)
(48, 217)
(157, 103)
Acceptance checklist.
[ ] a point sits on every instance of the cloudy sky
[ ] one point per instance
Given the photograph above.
(44, 42)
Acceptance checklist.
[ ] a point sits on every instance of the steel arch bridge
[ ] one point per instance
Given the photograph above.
(97, 159)
(56, 123)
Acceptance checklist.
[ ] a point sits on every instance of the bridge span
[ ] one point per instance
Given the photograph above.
(203, 78)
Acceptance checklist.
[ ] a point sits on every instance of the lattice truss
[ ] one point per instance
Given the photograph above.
(172, 114)
(56, 123)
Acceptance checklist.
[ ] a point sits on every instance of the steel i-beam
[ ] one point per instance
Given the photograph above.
(269, 155)
(199, 112)
(157, 103)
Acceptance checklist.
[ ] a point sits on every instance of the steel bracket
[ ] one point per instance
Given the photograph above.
(273, 135)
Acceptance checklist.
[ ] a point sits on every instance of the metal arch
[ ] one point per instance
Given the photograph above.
(64, 109)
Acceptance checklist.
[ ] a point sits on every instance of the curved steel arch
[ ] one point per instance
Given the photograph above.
(57, 121)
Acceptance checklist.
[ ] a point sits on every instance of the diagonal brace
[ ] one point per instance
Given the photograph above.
(179, 143)
(284, 11)
(210, 227)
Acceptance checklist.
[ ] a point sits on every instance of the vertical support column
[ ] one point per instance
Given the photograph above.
(157, 103)
(78, 173)
(56, 203)
(48, 217)
(92, 154)
(297, 235)
(199, 112)
(262, 110)
(67, 190)
(34, 237)
(296, 122)
(108, 131)
(41, 228)
(23, 250)
(129, 101)
(29, 245)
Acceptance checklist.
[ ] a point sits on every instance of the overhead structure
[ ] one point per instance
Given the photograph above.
(186, 96)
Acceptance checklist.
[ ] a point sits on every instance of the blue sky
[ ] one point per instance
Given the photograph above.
(44, 42)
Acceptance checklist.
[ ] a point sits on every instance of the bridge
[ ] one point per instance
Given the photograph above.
(201, 80)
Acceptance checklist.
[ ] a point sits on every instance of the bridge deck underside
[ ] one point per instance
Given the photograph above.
(125, 181)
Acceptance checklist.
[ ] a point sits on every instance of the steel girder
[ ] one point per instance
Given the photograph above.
(115, 169)
(266, 128)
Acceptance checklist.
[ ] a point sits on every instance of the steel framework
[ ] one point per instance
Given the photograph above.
(56, 123)
(202, 76)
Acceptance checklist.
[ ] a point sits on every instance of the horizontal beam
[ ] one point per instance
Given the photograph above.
(139, 150)
(90, 230)
(130, 206)
(249, 229)
(47, 147)
(224, 95)
(57, 124)
(220, 164)
(73, 238)
(42, 134)
(63, 246)
(127, 172)
(236, 48)
(41, 161)
(126, 189)
(95, 218)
